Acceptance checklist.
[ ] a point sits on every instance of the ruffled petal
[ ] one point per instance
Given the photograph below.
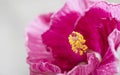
(96, 25)
(63, 23)
(36, 48)
(80, 6)
(86, 69)
(106, 69)
(57, 39)
(109, 62)
(114, 40)
(44, 68)
(114, 9)
(38, 53)
(64, 20)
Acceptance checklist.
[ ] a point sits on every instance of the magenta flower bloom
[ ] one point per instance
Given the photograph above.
(80, 39)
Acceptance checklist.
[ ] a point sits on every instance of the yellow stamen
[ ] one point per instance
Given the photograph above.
(77, 43)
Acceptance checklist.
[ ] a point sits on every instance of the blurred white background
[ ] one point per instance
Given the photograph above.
(15, 15)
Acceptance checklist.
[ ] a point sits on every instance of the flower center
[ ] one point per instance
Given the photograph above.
(77, 43)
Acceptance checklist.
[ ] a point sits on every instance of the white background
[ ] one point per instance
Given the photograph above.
(15, 15)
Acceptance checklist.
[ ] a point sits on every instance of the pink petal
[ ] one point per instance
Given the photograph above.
(57, 39)
(64, 20)
(36, 49)
(106, 69)
(44, 68)
(80, 5)
(85, 69)
(114, 40)
(38, 53)
(63, 23)
(109, 62)
(114, 9)
(96, 25)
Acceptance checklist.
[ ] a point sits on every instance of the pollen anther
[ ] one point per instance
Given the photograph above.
(77, 43)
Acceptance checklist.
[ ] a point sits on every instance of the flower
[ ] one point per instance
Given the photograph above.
(82, 38)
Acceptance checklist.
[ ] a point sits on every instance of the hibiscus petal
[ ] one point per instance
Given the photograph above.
(62, 25)
(36, 49)
(38, 53)
(96, 25)
(107, 69)
(114, 9)
(44, 68)
(86, 69)
(109, 62)
(114, 40)
(80, 5)
(64, 20)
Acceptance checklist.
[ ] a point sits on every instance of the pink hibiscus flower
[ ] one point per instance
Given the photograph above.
(80, 39)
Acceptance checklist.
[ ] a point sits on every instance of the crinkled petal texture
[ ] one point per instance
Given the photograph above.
(39, 56)
(109, 62)
(97, 24)
(86, 69)
(100, 27)
(106, 66)
(62, 24)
